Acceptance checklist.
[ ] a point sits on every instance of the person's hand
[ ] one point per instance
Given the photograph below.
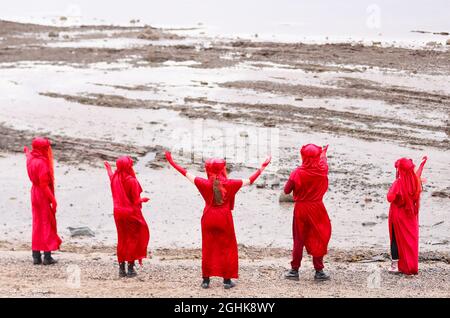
(425, 158)
(169, 156)
(325, 148)
(266, 163)
(107, 165)
(145, 200)
(25, 149)
(54, 206)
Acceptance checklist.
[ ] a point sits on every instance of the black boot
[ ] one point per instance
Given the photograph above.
(37, 258)
(228, 283)
(122, 272)
(48, 259)
(321, 276)
(205, 283)
(292, 274)
(131, 271)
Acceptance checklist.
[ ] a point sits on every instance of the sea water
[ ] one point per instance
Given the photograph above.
(282, 20)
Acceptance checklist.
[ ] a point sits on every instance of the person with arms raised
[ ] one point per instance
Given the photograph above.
(404, 197)
(219, 245)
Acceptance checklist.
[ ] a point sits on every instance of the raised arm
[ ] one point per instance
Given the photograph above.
(323, 155)
(254, 176)
(422, 164)
(180, 169)
(109, 170)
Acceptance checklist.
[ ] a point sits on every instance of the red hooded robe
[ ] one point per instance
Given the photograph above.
(219, 245)
(311, 224)
(132, 230)
(404, 195)
(40, 171)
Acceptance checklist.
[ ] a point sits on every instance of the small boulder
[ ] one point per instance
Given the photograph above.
(285, 198)
(382, 216)
(150, 34)
(53, 34)
(81, 231)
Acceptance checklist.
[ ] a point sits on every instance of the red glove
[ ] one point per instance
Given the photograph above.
(173, 164)
(258, 172)
(109, 169)
(422, 164)
(26, 151)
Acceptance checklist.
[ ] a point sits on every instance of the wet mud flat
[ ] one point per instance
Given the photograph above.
(73, 151)
(30, 42)
(125, 90)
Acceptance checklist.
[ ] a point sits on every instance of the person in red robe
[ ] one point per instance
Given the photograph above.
(404, 196)
(219, 245)
(311, 225)
(132, 230)
(43, 202)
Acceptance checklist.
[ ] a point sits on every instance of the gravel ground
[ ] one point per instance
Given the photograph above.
(169, 277)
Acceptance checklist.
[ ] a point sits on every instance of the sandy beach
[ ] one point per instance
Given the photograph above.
(100, 91)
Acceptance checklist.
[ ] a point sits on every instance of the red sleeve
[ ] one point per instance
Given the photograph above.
(201, 184)
(133, 190)
(290, 184)
(393, 191)
(43, 173)
(234, 185)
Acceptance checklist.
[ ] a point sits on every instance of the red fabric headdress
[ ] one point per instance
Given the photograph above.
(124, 164)
(409, 184)
(311, 162)
(42, 148)
(124, 169)
(217, 172)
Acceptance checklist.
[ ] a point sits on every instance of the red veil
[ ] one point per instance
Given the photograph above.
(41, 173)
(409, 185)
(313, 162)
(311, 224)
(42, 148)
(132, 229)
(404, 196)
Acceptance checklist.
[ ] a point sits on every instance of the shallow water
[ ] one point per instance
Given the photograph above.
(285, 20)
